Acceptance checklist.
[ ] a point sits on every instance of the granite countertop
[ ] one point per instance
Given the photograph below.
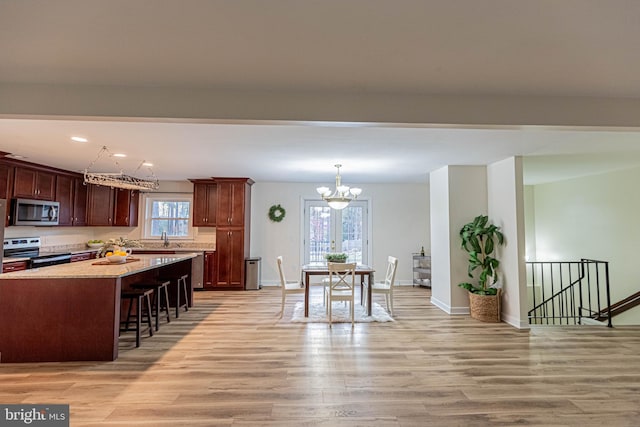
(76, 249)
(87, 269)
(177, 247)
(172, 249)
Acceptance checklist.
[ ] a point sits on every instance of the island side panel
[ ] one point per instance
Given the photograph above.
(70, 319)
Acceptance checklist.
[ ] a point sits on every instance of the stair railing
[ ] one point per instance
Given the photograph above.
(568, 292)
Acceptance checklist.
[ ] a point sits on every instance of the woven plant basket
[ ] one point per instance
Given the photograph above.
(485, 308)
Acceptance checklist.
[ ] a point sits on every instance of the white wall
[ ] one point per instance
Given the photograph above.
(529, 222)
(593, 217)
(440, 241)
(400, 225)
(459, 194)
(506, 210)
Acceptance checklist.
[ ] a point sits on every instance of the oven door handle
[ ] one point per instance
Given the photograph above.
(64, 258)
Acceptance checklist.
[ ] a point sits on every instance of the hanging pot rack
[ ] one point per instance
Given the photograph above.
(120, 179)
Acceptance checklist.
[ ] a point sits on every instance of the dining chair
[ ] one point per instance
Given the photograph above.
(386, 287)
(342, 285)
(287, 287)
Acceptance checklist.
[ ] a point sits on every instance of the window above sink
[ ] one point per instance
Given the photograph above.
(170, 213)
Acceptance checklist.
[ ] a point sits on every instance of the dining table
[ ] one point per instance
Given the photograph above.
(322, 269)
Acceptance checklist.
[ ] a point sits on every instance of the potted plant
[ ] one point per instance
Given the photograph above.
(336, 257)
(116, 244)
(479, 239)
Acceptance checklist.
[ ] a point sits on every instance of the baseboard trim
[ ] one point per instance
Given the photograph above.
(448, 309)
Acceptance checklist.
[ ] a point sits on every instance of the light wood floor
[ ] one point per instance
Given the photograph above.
(231, 362)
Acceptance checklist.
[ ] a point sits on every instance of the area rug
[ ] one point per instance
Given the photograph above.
(340, 313)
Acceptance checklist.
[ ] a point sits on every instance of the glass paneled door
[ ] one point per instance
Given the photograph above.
(329, 230)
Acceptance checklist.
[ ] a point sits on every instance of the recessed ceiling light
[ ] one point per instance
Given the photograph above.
(119, 155)
(79, 139)
(148, 164)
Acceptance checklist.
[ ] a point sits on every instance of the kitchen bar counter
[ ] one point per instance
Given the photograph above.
(71, 312)
(88, 269)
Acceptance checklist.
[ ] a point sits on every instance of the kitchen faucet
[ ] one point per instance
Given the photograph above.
(165, 238)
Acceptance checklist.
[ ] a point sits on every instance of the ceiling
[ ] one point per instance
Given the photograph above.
(577, 48)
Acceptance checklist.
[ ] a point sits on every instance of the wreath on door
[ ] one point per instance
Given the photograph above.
(277, 213)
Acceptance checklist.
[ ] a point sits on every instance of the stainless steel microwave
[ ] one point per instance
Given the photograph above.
(35, 212)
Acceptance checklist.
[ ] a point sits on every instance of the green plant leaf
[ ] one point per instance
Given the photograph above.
(488, 245)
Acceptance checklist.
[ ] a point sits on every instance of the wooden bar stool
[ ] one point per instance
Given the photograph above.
(181, 288)
(142, 298)
(160, 300)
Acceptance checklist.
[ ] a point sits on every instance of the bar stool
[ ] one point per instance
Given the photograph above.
(181, 288)
(142, 298)
(160, 289)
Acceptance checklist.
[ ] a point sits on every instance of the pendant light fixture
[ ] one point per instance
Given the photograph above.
(341, 196)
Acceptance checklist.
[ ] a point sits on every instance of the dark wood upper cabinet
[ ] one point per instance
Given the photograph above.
(71, 193)
(204, 203)
(6, 181)
(80, 204)
(231, 202)
(80, 196)
(64, 196)
(100, 205)
(126, 207)
(34, 184)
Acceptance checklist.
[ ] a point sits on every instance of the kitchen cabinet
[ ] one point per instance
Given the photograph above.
(34, 184)
(71, 193)
(6, 181)
(100, 205)
(8, 267)
(204, 203)
(232, 231)
(64, 196)
(225, 203)
(80, 190)
(210, 278)
(230, 252)
(126, 207)
(231, 202)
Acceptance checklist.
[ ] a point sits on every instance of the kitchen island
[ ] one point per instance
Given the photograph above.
(71, 312)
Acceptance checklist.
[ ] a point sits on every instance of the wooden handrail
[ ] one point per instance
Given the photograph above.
(620, 307)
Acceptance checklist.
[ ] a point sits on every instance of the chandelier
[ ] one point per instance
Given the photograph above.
(120, 179)
(342, 196)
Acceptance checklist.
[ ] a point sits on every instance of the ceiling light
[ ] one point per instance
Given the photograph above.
(342, 196)
(119, 155)
(147, 164)
(79, 139)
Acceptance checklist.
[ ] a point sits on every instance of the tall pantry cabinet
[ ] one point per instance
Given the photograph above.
(232, 210)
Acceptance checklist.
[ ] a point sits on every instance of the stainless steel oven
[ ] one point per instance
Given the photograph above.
(29, 247)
